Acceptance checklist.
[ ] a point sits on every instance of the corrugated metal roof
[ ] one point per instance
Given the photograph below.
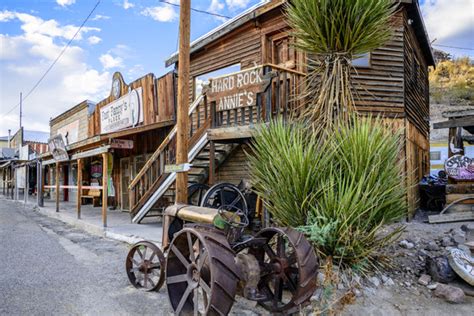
(35, 136)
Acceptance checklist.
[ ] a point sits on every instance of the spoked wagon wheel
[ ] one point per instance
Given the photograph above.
(145, 266)
(225, 194)
(201, 275)
(289, 268)
(196, 192)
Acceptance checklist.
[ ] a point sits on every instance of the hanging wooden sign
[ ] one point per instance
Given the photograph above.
(57, 148)
(121, 143)
(236, 90)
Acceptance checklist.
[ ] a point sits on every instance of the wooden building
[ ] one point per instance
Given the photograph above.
(391, 81)
(107, 143)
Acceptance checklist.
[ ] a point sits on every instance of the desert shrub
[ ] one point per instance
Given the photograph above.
(339, 189)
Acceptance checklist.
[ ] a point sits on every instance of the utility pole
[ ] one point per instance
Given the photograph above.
(21, 105)
(183, 100)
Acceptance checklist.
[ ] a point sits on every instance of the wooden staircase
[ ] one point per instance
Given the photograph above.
(152, 189)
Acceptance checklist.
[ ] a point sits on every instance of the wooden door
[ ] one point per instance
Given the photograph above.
(125, 179)
(278, 50)
(66, 182)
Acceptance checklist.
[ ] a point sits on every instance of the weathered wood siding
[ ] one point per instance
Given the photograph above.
(235, 168)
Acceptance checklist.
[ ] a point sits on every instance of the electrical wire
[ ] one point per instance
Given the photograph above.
(455, 47)
(197, 10)
(56, 60)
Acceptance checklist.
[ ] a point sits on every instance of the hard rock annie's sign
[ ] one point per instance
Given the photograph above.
(460, 167)
(236, 90)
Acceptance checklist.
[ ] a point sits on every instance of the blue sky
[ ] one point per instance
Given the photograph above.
(130, 36)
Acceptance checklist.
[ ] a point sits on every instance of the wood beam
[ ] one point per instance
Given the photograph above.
(79, 187)
(57, 186)
(212, 162)
(105, 166)
(456, 122)
(183, 100)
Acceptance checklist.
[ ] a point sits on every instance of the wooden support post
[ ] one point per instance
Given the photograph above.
(212, 162)
(183, 100)
(79, 187)
(104, 188)
(27, 184)
(39, 184)
(57, 187)
(17, 192)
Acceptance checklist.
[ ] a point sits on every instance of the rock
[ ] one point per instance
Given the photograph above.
(357, 292)
(406, 244)
(424, 279)
(468, 229)
(374, 281)
(447, 242)
(449, 293)
(407, 283)
(317, 295)
(459, 240)
(321, 278)
(369, 291)
(384, 278)
(356, 280)
(432, 246)
(464, 248)
(439, 269)
(389, 282)
(432, 286)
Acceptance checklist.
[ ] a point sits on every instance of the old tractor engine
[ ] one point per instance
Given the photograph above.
(221, 249)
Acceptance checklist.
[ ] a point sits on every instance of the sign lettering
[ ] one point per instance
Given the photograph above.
(236, 90)
(460, 167)
(124, 112)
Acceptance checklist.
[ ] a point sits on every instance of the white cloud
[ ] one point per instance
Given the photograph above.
(25, 57)
(98, 17)
(236, 4)
(108, 61)
(216, 6)
(164, 13)
(127, 5)
(65, 3)
(447, 20)
(94, 40)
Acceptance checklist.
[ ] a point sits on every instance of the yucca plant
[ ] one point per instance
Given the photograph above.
(333, 33)
(339, 189)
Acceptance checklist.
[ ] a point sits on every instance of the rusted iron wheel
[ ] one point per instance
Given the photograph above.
(201, 275)
(289, 267)
(145, 266)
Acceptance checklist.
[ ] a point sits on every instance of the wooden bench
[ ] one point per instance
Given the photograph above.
(93, 194)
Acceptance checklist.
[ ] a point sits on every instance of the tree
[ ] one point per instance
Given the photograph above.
(333, 33)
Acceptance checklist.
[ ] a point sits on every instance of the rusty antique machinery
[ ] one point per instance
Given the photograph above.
(221, 249)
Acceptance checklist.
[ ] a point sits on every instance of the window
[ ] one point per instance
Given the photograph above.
(435, 155)
(362, 61)
(203, 79)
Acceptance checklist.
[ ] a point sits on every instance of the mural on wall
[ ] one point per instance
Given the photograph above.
(96, 169)
(460, 167)
(70, 132)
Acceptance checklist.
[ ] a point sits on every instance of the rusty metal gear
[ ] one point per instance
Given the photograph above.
(201, 275)
(145, 266)
(288, 266)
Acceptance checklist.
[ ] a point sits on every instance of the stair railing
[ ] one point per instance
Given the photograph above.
(153, 172)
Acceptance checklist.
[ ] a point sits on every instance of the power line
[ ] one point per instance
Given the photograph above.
(57, 58)
(447, 46)
(197, 10)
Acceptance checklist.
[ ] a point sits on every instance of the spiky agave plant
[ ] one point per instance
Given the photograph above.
(333, 33)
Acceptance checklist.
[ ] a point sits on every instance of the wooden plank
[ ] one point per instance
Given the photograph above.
(105, 167)
(455, 217)
(455, 122)
(57, 187)
(225, 133)
(460, 188)
(450, 198)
